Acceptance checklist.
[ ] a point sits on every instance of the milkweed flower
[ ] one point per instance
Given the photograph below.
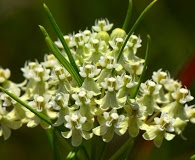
(109, 98)
(78, 126)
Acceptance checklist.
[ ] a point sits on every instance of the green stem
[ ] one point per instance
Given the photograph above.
(134, 26)
(60, 35)
(85, 152)
(126, 148)
(40, 115)
(128, 15)
(55, 147)
(93, 147)
(103, 151)
(49, 133)
(134, 93)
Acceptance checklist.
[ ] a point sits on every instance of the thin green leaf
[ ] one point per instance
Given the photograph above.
(60, 35)
(128, 15)
(17, 99)
(61, 146)
(134, 93)
(49, 133)
(134, 27)
(128, 145)
(61, 57)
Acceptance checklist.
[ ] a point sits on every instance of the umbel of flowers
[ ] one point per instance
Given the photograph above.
(104, 103)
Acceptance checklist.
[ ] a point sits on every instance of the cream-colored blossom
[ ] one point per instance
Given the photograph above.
(78, 127)
(4, 74)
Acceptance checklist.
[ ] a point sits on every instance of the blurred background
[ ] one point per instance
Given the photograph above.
(170, 23)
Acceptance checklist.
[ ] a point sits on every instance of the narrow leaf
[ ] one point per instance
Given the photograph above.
(128, 15)
(60, 35)
(17, 99)
(128, 145)
(61, 146)
(134, 93)
(61, 57)
(134, 27)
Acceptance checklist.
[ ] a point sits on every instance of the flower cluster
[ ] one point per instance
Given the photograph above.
(103, 105)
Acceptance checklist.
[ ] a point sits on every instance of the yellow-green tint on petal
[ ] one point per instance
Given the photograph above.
(6, 131)
(159, 139)
(107, 137)
(90, 85)
(169, 136)
(76, 137)
(133, 126)
(123, 129)
(67, 134)
(151, 133)
(87, 135)
(100, 130)
(13, 124)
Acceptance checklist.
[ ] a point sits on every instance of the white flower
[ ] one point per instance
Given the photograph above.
(69, 41)
(28, 69)
(78, 126)
(150, 87)
(182, 95)
(61, 101)
(42, 104)
(89, 71)
(50, 61)
(134, 42)
(112, 84)
(128, 81)
(134, 68)
(7, 122)
(110, 100)
(116, 43)
(96, 49)
(162, 128)
(4, 74)
(108, 62)
(135, 114)
(160, 77)
(83, 97)
(190, 111)
(80, 39)
(7, 100)
(41, 74)
(61, 73)
(165, 122)
(172, 85)
(102, 25)
(110, 123)
(60, 104)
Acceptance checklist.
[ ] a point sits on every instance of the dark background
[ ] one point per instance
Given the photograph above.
(170, 23)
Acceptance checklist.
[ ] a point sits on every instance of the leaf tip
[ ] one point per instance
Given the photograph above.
(45, 6)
